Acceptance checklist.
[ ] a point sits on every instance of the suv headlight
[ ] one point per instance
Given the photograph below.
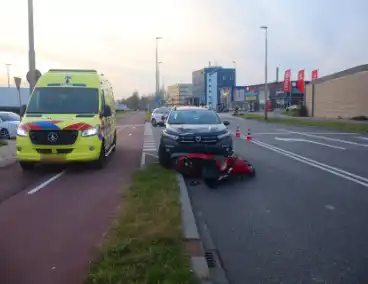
(224, 135)
(90, 131)
(169, 135)
(21, 131)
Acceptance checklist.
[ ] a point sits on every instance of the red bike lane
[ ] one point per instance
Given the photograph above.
(51, 236)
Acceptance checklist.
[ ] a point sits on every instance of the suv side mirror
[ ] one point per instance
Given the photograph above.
(226, 123)
(22, 110)
(107, 111)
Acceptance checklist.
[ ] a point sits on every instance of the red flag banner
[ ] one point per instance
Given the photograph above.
(301, 81)
(287, 76)
(314, 74)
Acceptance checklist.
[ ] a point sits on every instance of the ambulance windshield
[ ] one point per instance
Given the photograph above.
(64, 100)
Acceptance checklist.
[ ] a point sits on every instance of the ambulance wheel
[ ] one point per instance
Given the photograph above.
(101, 161)
(211, 182)
(27, 166)
(114, 143)
(163, 157)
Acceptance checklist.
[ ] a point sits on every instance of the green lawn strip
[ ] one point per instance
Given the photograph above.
(340, 125)
(146, 245)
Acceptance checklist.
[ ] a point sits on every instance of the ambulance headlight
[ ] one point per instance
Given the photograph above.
(90, 132)
(21, 132)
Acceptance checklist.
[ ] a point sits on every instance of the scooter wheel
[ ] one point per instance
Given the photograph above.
(252, 173)
(211, 182)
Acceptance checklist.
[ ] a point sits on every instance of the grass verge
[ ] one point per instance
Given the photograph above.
(146, 245)
(148, 116)
(340, 125)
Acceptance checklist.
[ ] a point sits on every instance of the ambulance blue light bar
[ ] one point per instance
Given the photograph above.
(66, 85)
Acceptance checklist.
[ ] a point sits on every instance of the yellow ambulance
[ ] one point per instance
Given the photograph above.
(70, 117)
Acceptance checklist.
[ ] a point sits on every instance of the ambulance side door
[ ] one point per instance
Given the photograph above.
(106, 124)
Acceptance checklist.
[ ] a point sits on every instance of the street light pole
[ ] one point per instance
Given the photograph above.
(157, 72)
(7, 65)
(32, 54)
(234, 62)
(265, 28)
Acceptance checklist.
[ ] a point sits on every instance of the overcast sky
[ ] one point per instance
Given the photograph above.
(117, 37)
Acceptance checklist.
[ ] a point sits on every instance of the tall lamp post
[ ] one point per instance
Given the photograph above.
(7, 65)
(157, 71)
(32, 54)
(265, 28)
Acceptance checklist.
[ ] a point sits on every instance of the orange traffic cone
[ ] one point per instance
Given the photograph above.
(249, 136)
(237, 133)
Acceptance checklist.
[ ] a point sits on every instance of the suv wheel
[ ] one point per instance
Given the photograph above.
(163, 157)
(154, 122)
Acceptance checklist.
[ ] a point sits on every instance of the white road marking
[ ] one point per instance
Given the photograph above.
(333, 170)
(42, 185)
(364, 138)
(149, 154)
(330, 207)
(328, 138)
(321, 133)
(149, 143)
(308, 141)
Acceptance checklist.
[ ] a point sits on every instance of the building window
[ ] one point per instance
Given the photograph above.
(209, 91)
(209, 85)
(209, 80)
(224, 77)
(231, 77)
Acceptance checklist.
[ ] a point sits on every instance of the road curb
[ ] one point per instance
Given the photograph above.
(198, 261)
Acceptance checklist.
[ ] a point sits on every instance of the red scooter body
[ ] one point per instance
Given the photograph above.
(213, 168)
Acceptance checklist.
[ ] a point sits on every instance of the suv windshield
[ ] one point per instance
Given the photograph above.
(193, 117)
(64, 100)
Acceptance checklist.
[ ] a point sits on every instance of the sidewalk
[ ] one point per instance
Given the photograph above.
(7, 153)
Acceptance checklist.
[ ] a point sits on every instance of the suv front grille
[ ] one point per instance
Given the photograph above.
(47, 137)
(207, 139)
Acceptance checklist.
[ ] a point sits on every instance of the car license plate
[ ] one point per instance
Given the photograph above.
(53, 158)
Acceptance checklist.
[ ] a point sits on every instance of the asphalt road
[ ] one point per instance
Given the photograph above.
(302, 219)
(53, 220)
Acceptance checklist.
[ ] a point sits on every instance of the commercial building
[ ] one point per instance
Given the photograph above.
(207, 83)
(9, 98)
(339, 95)
(179, 94)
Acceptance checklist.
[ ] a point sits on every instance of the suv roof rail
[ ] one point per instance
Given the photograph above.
(73, 70)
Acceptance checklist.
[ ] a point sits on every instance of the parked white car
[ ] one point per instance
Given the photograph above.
(9, 122)
(159, 116)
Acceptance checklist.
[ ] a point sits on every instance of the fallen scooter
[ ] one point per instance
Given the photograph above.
(212, 168)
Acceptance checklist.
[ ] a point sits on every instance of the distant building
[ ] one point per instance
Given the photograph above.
(9, 98)
(179, 94)
(207, 85)
(340, 95)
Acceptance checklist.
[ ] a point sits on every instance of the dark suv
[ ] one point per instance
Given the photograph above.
(194, 130)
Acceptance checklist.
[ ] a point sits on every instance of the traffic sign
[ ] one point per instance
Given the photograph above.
(37, 76)
(17, 82)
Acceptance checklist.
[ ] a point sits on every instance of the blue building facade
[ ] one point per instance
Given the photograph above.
(202, 82)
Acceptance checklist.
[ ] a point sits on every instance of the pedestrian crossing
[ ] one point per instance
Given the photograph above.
(149, 144)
